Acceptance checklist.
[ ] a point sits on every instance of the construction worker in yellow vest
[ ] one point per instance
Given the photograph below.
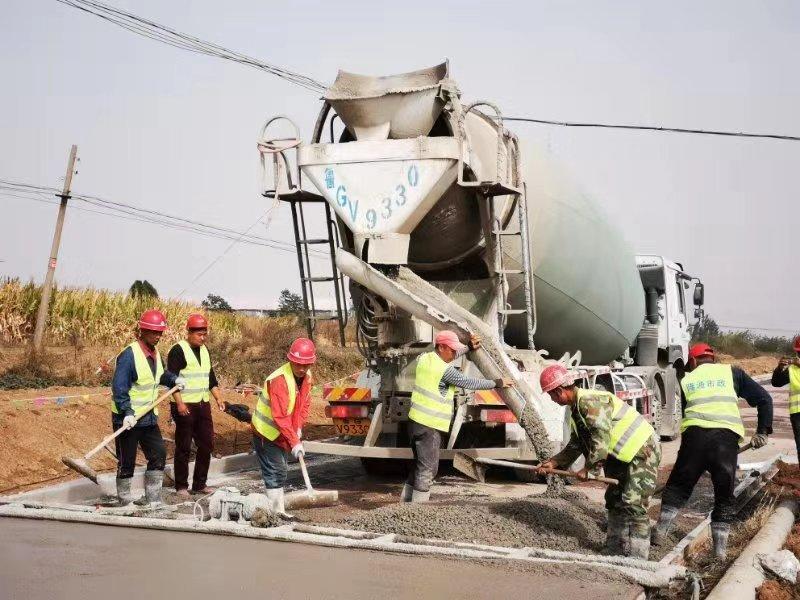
(137, 374)
(191, 407)
(613, 436)
(788, 373)
(431, 408)
(279, 416)
(710, 432)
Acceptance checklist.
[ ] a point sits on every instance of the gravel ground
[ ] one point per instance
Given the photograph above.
(566, 523)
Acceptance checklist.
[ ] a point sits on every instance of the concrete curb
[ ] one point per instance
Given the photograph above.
(743, 578)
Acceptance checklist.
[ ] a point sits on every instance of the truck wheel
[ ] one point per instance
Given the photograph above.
(672, 420)
(656, 403)
(385, 467)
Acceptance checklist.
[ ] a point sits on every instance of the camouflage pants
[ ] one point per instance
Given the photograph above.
(637, 482)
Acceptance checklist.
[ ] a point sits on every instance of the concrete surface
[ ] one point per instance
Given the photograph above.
(52, 560)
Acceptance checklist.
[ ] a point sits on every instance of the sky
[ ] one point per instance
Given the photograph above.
(168, 130)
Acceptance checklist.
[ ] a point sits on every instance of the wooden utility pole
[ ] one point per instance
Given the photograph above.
(44, 305)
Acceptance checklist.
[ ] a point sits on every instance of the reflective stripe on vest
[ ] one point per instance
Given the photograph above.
(195, 373)
(794, 389)
(262, 416)
(711, 399)
(145, 389)
(629, 430)
(428, 406)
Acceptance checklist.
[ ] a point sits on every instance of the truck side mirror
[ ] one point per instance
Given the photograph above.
(699, 294)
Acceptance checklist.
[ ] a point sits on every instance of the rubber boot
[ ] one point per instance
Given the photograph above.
(417, 496)
(665, 520)
(153, 480)
(616, 534)
(405, 495)
(278, 503)
(719, 536)
(124, 491)
(639, 545)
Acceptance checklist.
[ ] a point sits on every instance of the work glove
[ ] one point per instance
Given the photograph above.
(299, 433)
(297, 450)
(759, 440)
(129, 422)
(180, 382)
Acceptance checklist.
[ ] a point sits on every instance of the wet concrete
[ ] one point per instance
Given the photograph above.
(46, 560)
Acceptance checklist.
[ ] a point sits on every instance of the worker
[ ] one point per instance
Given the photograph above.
(432, 408)
(281, 410)
(710, 433)
(613, 436)
(788, 372)
(191, 408)
(137, 375)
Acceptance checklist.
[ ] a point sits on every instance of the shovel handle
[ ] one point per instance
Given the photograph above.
(302, 462)
(525, 467)
(573, 475)
(119, 431)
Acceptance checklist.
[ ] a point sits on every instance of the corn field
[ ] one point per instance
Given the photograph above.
(90, 316)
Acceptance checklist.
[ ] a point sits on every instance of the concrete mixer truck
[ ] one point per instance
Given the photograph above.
(441, 218)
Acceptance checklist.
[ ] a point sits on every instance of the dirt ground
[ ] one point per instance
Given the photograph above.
(34, 439)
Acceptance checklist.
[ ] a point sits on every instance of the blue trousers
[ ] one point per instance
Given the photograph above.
(272, 460)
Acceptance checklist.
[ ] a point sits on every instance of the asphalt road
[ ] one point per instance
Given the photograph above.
(51, 560)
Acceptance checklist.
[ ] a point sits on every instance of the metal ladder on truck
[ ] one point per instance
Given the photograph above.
(490, 190)
(288, 188)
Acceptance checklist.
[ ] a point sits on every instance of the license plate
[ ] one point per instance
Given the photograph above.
(352, 426)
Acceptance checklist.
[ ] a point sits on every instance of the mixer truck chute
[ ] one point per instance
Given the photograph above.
(440, 218)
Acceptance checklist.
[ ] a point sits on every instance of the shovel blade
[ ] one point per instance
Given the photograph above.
(469, 467)
(79, 465)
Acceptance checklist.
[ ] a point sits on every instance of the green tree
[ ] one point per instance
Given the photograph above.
(214, 302)
(141, 288)
(706, 330)
(290, 303)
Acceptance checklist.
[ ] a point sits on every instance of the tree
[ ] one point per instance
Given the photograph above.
(290, 303)
(706, 330)
(141, 288)
(214, 302)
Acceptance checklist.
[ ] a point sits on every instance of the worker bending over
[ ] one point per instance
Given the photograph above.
(710, 433)
(788, 372)
(137, 375)
(613, 435)
(432, 408)
(281, 410)
(191, 409)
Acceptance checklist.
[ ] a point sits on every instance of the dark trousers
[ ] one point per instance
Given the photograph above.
(151, 442)
(425, 443)
(272, 460)
(197, 426)
(795, 420)
(712, 450)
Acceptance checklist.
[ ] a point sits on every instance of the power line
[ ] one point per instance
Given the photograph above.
(773, 136)
(166, 35)
(749, 328)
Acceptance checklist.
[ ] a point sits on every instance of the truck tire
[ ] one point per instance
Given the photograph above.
(671, 427)
(656, 405)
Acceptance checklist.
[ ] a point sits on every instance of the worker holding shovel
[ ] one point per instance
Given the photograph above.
(788, 373)
(432, 408)
(137, 375)
(612, 435)
(191, 407)
(279, 416)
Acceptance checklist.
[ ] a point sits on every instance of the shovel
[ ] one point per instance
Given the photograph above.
(475, 468)
(81, 465)
(311, 498)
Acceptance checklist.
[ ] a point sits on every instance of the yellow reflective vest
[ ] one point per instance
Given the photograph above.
(262, 417)
(196, 374)
(794, 389)
(711, 399)
(145, 389)
(428, 406)
(629, 429)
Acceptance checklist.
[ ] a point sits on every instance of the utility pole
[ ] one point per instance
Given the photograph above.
(44, 305)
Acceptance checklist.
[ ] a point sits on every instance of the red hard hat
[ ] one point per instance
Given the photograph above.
(555, 376)
(701, 349)
(196, 321)
(153, 320)
(302, 352)
(796, 344)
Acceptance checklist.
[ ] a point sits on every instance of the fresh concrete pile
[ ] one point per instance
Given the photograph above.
(569, 522)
